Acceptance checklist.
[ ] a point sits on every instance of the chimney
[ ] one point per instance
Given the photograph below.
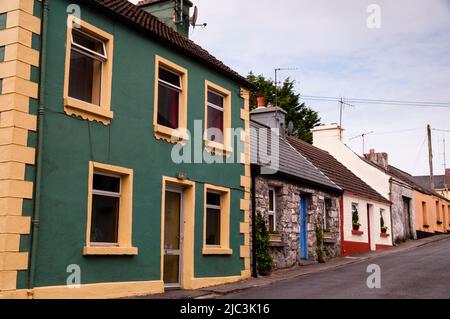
(173, 13)
(261, 101)
(323, 135)
(381, 159)
(271, 116)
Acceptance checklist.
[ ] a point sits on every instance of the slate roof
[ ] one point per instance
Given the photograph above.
(291, 162)
(336, 171)
(425, 180)
(135, 16)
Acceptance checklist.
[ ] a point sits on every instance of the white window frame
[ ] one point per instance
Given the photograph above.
(274, 211)
(103, 58)
(107, 194)
(323, 205)
(171, 86)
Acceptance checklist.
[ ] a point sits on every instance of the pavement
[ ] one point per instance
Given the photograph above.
(288, 280)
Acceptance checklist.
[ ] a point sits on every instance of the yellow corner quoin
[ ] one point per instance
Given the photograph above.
(15, 124)
(101, 113)
(166, 133)
(245, 183)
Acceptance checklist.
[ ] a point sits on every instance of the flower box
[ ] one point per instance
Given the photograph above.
(384, 235)
(275, 237)
(357, 232)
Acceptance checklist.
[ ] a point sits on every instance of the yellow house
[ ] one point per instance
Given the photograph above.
(432, 214)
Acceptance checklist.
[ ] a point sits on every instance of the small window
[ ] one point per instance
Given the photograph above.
(105, 209)
(213, 210)
(327, 223)
(215, 121)
(323, 214)
(87, 59)
(169, 91)
(110, 210)
(424, 214)
(217, 221)
(88, 72)
(272, 210)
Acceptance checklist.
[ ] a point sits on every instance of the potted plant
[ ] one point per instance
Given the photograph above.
(355, 220)
(382, 226)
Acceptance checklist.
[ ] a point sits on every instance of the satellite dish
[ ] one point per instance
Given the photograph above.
(290, 128)
(193, 19)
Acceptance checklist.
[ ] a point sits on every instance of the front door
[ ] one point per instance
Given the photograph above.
(370, 231)
(303, 230)
(407, 218)
(173, 238)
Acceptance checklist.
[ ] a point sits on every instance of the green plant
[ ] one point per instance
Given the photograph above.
(319, 239)
(263, 259)
(355, 217)
(382, 226)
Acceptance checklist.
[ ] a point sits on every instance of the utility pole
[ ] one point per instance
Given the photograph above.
(430, 156)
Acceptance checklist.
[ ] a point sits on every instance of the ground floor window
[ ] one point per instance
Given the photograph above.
(216, 220)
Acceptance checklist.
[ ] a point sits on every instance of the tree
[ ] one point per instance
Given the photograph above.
(303, 117)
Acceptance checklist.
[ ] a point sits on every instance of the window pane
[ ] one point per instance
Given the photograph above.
(170, 77)
(88, 42)
(168, 106)
(172, 220)
(215, 98)
(213, 199)
(271, 200)
(85, 78)
(105, 217)
(212, 226)
(271, 223)
(215, 122)
(106, 183)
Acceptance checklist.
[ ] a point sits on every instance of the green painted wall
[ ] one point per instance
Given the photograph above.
(70, 143)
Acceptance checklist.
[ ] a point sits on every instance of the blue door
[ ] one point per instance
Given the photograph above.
(303, 231)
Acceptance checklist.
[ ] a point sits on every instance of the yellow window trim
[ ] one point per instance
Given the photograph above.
(124, 245)
(214, 147)
(224, 247)
(88, 111)
(166, 133)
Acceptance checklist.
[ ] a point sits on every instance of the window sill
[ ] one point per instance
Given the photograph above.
(357, 232)
(110, 250)
(169, 134)
(87, 111)
(217, 251)
(217, 148)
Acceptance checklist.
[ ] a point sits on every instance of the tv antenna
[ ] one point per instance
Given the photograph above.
(276, 81)
(363, 136)
(342, 104)
(193, 19)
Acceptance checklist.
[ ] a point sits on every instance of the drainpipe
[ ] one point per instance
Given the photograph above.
(40, 139)
(254, 173)
(390, 205)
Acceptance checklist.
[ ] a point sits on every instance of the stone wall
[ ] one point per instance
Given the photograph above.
(403, 223)
(286, 252)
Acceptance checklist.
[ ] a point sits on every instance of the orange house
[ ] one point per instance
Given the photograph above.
(432, 214)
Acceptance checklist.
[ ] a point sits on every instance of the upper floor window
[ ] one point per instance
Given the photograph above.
(87, 59)
(217, 119)
(169, 91)
(88, 76)
(170, 104)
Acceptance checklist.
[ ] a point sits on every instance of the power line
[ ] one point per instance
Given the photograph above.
(378, 101)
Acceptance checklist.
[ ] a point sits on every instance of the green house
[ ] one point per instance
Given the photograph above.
(124, 160)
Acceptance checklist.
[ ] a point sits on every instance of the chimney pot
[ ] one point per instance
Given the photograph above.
(269, 104)
(261, 101)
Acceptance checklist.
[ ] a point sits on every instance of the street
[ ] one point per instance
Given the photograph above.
(422, 272)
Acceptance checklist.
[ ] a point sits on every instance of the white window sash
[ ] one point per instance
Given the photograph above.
(97, 55)
(273, 212)
(170, 84)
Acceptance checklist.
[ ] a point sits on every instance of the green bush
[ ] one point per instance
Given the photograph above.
(319, 238)
(263, 259)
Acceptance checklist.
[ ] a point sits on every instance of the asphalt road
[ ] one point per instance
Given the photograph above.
(423, 272)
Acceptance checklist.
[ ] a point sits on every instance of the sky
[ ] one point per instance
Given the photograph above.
(336, 54)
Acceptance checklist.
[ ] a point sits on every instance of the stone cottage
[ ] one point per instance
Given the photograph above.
(295, 198)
